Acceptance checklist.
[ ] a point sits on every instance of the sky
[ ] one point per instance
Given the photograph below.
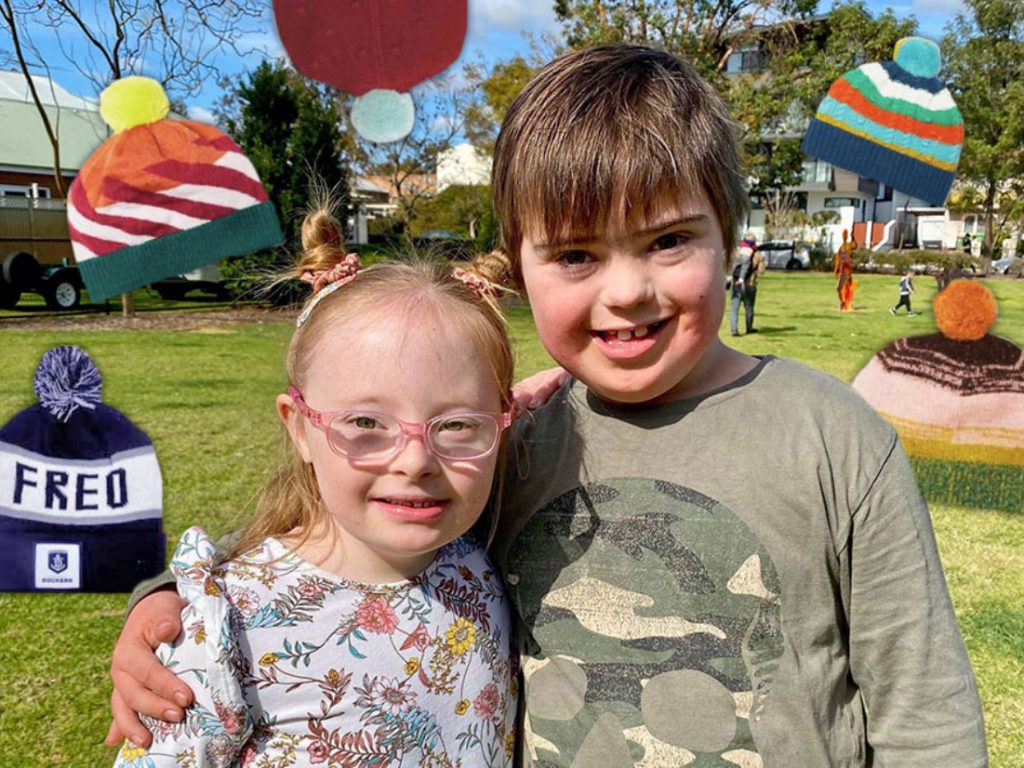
(497, 29)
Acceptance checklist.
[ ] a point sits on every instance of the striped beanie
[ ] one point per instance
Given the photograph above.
(956, 398)
(162, 197)
(893, 121)
(81, 495)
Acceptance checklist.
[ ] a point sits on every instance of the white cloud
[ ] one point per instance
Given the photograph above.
(496, 25)
(512, 14)
(201, 115)
(938, 7)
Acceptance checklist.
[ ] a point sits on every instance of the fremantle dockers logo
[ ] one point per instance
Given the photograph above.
(58, 561)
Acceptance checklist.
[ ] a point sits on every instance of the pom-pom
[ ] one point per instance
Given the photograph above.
(133, 101)
(965, 310)
(919, 56)
(383, 115)
(66, 380)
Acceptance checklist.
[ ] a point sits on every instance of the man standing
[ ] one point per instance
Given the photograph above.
(747, 268)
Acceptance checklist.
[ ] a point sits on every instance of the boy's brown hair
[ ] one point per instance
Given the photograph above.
(604, 134)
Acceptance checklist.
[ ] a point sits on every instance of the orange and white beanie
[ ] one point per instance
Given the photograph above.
(162, 197)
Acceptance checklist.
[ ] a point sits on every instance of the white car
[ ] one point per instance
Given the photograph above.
(785, 254)
(1007, 266)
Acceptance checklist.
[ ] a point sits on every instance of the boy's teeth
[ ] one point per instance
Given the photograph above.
(637, 333)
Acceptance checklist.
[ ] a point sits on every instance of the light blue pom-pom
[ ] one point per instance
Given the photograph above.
(919, 56)
(383, 115)
(67, 379)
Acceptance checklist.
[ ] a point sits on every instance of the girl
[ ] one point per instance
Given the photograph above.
(357, 622)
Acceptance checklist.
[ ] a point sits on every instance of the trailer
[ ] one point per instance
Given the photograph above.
(35, 253)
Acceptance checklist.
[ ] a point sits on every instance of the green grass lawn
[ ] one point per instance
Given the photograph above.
(205, 398)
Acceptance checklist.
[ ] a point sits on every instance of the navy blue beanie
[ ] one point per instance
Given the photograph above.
(81, 495)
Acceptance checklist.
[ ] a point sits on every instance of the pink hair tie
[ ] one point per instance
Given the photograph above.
(483, 288)
(327, 281)
(342, 272)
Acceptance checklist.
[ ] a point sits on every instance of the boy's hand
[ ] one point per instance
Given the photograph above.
(141, 683)
(534, 391)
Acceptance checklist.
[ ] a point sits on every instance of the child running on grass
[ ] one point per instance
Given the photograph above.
(906, 288)
(716, 559)
(357, 620)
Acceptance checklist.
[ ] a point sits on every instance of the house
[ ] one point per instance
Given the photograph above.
(462, 164)
(32, 211)
(26, 155)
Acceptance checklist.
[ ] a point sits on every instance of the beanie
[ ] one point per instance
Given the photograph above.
(161, 197)
(80, 488)
(376, 51)
(893, 121)
(956, 398)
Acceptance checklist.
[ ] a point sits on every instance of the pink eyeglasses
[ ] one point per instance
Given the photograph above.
(372, 435)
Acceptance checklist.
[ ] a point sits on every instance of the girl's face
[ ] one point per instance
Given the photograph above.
(392, 515)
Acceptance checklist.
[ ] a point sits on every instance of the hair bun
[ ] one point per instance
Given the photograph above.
(323, 241)
(495, 267)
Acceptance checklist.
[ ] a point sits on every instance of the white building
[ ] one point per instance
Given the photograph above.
(462, 164)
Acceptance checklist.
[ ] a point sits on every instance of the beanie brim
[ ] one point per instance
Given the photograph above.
(250, 229)
(900, 171)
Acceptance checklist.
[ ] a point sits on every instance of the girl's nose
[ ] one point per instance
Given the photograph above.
(414, 459)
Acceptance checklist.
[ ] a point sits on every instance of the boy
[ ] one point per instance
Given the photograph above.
(672, 612)
(906, 288)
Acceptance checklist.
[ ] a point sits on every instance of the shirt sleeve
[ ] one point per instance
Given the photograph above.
(218, 724)
(166, 579)
(906, 653)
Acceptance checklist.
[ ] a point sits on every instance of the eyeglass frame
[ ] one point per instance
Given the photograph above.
(421, 429)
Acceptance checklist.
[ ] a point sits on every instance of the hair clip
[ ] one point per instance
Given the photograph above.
(482, 287)
(327, 281)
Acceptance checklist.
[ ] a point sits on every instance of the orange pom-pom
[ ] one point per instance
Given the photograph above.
(965, 310)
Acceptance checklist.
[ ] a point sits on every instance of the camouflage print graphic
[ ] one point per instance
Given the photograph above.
(652, 628)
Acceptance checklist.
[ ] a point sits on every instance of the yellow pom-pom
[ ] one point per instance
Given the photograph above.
(133, 101)
(965, 310)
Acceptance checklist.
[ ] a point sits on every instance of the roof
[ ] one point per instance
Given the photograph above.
(14, 87)
(23, 140)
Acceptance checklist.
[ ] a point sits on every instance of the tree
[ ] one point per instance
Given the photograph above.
(460, 208)
(408, 166)
(291, 130)
(704, 32)
(984, 55)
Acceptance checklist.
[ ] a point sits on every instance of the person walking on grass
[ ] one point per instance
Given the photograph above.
(746, 270)
(906, 288)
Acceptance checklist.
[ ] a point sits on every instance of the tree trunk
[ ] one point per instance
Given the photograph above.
(990, 217)
(127, 305)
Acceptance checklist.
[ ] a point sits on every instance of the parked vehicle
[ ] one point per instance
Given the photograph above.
(785, 254)
(206, 279)
(35, 253)
(1011, 265)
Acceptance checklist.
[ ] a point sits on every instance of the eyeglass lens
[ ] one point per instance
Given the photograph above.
(367, 435)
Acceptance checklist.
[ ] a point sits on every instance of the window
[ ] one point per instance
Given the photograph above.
(841, 202)
(817, 172)
(884, 193)
(13, 190)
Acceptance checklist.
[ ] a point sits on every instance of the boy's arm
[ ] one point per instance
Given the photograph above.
(906, 654)
(141, 683)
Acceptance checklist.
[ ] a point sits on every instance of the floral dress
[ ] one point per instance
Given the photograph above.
(294, 666)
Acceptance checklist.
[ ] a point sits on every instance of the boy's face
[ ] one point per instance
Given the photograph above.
(632, 310)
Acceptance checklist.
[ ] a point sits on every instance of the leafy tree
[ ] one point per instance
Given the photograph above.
(408, 166)
(290, 128)
(460, 208)
(984, 55)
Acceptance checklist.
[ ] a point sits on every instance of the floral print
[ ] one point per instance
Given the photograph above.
(293, 666)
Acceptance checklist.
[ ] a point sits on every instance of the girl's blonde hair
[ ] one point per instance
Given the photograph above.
(395, 290)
